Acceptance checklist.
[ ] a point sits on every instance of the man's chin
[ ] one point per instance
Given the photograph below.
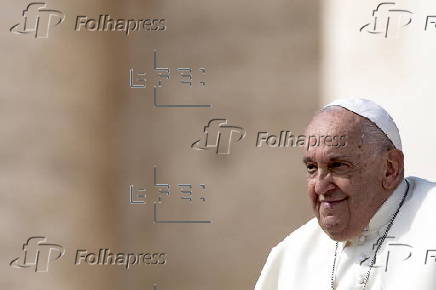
(338, 237)
(334, 228)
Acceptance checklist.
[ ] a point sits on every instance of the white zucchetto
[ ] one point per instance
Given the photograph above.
(373, 112)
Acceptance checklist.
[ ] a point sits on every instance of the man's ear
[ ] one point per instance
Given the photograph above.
(394, 169)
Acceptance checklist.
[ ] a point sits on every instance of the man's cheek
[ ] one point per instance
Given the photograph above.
(313, 198)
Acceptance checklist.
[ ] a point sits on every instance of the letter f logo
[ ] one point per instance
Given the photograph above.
(38, 20)
(38, 253)
(219, 135)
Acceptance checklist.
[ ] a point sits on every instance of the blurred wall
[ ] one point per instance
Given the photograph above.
(394, 68)
(56, 113)
(76, 137)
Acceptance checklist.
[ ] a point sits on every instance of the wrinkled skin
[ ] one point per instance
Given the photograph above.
(347, 184)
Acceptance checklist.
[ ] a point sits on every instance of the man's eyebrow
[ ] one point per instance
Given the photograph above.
(339, 157)
(330, 158)
(307, 160)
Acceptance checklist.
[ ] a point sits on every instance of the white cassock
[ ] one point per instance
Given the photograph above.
(405, 261)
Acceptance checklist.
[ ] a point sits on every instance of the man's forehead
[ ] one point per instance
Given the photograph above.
(340, 122)
(335, 118)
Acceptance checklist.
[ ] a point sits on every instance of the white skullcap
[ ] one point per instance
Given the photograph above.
(373, 112)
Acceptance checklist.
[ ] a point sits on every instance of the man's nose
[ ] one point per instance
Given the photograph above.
(323, 183)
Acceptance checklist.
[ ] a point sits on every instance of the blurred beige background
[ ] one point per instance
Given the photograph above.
(75, 136)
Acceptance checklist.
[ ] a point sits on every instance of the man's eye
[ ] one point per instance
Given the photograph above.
(336, 165)
(311, 168)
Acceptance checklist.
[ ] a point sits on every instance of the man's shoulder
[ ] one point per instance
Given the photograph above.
(310, 228)
(423, 196)
(422, 183)
(299, 253)
(310, 231)
(303, 244)
(418, 216)
(422, 190)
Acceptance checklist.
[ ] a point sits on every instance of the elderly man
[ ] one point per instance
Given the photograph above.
(374, 229)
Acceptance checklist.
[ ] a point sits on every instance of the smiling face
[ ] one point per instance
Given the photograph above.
(345, 183)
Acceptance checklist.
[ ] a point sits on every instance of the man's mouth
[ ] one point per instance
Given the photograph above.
(329, 203)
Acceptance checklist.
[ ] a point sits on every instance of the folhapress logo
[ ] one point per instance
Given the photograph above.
(38, 20)
(38, 254)
(218, 134)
